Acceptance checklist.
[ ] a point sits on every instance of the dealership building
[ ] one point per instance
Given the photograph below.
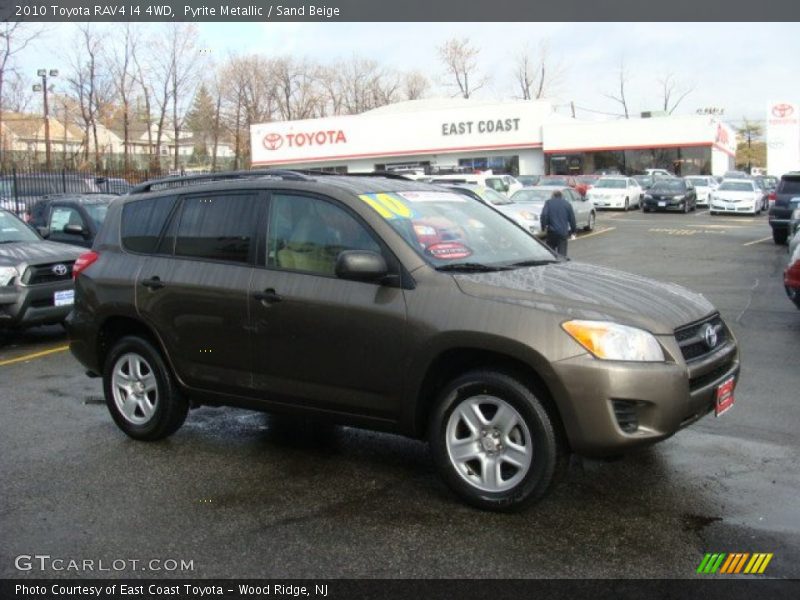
(519, 137)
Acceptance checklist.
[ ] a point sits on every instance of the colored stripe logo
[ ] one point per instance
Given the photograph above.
(734, 563)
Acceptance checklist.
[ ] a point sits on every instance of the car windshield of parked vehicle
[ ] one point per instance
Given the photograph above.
(553, 181)
(532, 195)
(668, 186)
(611, 183)
(528, 179)
(736, 186)
(14, 230)
(492, 197)
(454, 233)
(698, 181)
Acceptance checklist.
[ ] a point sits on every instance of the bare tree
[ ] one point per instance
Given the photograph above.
(17, 94)
(185, 65)
(537, 73)
(297, 92)
(673, 92)
(14, 38)
(460, 59)
(88, 85)
(144, 108)
(620, 96)
(415, 85)
(122, 65)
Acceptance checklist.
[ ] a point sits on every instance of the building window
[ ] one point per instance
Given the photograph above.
(500, 165)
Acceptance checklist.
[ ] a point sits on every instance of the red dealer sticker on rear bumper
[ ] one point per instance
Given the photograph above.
(724, 398)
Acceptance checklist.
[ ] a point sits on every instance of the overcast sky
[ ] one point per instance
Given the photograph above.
(736, 66)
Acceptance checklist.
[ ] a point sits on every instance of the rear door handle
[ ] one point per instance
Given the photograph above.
(154, 283)
(269, 296)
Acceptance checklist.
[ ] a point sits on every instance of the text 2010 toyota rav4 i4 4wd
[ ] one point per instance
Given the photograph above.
(394, 305)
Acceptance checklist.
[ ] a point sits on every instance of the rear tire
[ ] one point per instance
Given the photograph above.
(493, 441)
(140, 392)
(779, 236)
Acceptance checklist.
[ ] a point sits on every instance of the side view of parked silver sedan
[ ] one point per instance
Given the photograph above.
(533, 199)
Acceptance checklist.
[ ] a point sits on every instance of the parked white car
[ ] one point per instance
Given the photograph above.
(616, 192)
(740, 196)
(524, 217)
(505, 184)
(704, 185)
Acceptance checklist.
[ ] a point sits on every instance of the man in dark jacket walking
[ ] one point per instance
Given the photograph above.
(558, 222)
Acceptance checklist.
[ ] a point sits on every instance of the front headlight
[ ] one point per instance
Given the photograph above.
(529, 215)
(648, 197)
(611, 341)
(7, 274)
(678, 198)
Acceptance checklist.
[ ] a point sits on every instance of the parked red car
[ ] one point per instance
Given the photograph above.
(791, 277)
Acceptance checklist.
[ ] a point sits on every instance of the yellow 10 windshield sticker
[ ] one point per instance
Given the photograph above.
(389, 206)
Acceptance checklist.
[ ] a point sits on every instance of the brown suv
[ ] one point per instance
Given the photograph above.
(394, 305)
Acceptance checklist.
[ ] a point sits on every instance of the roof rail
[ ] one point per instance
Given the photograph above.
(183, 180)
(386, 174)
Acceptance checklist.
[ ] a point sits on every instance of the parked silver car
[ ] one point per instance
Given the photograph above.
(524, 216)
(533, 199)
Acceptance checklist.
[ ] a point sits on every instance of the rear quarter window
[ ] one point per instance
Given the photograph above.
(143, 221)
(789, 186)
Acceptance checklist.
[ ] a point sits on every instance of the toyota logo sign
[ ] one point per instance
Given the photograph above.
(710, 336)
(782, 110)
(59, 270)
(272, 141)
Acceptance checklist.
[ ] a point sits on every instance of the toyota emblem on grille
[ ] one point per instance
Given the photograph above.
(710, 335)
(60, 270)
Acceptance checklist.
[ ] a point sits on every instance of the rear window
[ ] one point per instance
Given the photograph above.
(789, 186)
(143, 221)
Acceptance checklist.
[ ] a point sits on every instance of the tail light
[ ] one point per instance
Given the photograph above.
(83, 262)
(771, 198)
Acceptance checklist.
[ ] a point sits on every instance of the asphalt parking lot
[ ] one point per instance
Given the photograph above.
(244, 495)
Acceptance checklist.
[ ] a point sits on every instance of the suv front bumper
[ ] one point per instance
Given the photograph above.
(33, 305)
(661, 398)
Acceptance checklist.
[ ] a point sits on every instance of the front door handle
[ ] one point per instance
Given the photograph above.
(268, 296)
(154, 283)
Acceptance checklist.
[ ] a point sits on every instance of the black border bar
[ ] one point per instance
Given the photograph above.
(404, 10)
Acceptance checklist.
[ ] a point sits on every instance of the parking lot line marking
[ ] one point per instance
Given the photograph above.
(719, 226)
(33, 355)
(757, 241)
(698, 213)
(598, 232)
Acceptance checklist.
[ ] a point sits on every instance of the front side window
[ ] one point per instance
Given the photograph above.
(218, 227)
(307, 234)
(61, 216)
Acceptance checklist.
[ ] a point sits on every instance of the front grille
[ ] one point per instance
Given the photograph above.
(692, 338)
(695, 383)
(625, 413)
(38, 274)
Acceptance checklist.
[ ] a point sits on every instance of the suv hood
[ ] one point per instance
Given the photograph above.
(42, 251)
(582, 291)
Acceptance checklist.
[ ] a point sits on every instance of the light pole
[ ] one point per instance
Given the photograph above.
(43, 73)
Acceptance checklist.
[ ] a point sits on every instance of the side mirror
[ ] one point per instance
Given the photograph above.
(361, 265)
(75, 230)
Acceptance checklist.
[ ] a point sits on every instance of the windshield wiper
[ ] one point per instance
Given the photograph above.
(471, 266)
(534, 263)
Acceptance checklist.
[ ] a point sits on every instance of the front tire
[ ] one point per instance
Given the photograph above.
(493, 441)
(590, 224)
(140, 392)
(779, 236)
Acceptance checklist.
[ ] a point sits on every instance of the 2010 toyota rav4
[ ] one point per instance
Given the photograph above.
(394, 305)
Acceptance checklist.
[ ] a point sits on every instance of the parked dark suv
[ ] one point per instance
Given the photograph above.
(389, 304)
(783, 201)
(70, 218)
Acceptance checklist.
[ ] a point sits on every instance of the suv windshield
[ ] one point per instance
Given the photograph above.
(736, 186)
(14, 230)
(449, 230)
(668, 186)
(610, 183)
